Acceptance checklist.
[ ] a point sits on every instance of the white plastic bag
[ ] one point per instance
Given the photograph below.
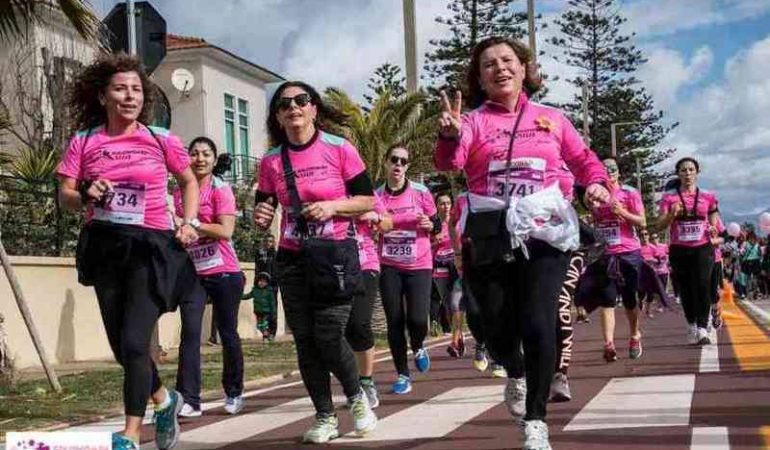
(544, 215)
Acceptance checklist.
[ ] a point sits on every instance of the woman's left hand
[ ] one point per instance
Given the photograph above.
(320, 211)
(596, 194)
(186, 234)
(424, 222)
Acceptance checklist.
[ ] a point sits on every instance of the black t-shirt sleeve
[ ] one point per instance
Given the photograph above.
(360, 184)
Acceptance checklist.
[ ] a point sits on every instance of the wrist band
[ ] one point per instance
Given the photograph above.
(83, 188)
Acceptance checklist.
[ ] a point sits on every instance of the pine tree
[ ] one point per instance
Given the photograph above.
(591, 41)
(470, 22)
(387, 77)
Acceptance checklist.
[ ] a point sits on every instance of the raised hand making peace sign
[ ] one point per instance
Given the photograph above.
(450, 120)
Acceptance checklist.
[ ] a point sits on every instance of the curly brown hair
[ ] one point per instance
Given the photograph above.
(83, 98)
(532, 80)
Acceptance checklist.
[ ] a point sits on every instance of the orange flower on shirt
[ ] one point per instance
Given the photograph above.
(544, 123)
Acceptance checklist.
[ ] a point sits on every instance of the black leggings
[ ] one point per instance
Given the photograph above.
(518, 304)
(692, 272)
(717, 273)
(318, 325)
(129, 315)
(406, 301)
(359, 330)
(439, 300)
(564, 327)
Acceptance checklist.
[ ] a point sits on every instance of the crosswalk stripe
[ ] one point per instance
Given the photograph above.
(709, 355)
(710, 438)
(435, 417)
(658, 401)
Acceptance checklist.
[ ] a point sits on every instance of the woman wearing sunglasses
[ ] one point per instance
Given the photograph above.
(510, 147)
(407, 265)
(322, 185)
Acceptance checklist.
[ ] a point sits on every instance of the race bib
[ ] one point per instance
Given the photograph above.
(323, 230)
(445, 255)
(400, 246)
(690, 230)
(205, 255)
(361, 250)
(126, 205)
(526, 176)
(610, 232)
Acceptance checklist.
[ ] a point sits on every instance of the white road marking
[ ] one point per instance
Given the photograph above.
(658, 401)
(709, 355)
(710, 438)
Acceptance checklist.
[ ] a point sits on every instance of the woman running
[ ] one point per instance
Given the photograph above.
(717, 275)
(691, 214)
(321, 184)
(510, 147)
(220, 276)
(117, 168)
(445, 277)
(407, 265)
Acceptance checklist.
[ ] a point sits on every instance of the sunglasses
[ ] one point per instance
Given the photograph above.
(301, 100)
(395, 160)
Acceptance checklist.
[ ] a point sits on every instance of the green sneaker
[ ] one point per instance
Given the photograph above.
(167, 423)
(323, 430)
(120, 442)
(364, 419)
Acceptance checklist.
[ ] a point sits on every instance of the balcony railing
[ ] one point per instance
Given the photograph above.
(242, 170)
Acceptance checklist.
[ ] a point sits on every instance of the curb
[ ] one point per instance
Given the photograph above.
(760, 316)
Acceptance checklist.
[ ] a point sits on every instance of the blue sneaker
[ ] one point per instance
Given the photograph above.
(422, 360)
(166, 422)
(403, 385)
(120, 442)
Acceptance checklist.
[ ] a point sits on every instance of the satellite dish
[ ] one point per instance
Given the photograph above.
(182, 79)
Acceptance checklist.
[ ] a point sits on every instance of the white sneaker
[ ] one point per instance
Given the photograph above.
(370, 389)
(188, 411)
(234, 405)
(703, 336)
(536, 435)
(364, 419)
(516, 397)
(323, 430)
(692, 334)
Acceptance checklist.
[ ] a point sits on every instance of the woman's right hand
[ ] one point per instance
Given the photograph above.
(450, 120)
(263, 215)
(96, 191)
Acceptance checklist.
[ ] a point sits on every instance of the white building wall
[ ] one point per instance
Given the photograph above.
(187, 118)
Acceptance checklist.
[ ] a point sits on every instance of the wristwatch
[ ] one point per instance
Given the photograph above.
(194, 222)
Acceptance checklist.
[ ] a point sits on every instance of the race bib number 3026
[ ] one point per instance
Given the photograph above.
(525, 177)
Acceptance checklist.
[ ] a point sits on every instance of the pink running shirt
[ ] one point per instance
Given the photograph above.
(648, 252)
(692, 231)
(367, 249)
(619, 234)
(547, 150)
(137, 166)
(212, 256)
(406, 247)
(322, 168)
(443, 252)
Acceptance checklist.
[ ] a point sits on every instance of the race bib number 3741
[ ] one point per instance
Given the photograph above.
(525, 177)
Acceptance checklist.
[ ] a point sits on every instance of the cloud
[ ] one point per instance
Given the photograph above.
(667, 71)
(653, 17)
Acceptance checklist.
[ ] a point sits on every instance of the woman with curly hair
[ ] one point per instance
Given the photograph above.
(117, 167)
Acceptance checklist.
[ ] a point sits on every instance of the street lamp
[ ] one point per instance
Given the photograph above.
(636, 153)
(410, 45)
(531, 23)
(613, 133)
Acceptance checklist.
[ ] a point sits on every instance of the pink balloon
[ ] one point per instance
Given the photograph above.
(764, 228)
(764, 219)
(733, 229)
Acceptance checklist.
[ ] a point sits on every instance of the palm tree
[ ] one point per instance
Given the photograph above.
(409, 120)
(16, 15)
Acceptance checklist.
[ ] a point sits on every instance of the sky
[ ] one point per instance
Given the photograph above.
(707, 65)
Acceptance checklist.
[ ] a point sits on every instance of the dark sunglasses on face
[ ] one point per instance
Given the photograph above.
(397, 160)
(300, 100)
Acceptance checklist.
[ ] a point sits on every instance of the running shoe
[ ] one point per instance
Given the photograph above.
(120, 442)
(461, 347)
(515, 397)
(190, 411)
(560, 391)
(364, 419)
(703, 337)
(234, 405)
(422, 360)
(370, 389)
(536, 435)
(435, 329)
(167, 422)
(480, 360)
(499, 371)
(403, 385)
(323, 430)
(716, 316)
(610, 355)
(453, 351)
(692, 334)
(635, 348)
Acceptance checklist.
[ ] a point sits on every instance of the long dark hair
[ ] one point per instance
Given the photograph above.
(676, 183)
(224, 161)
(532, 81)
(83, 96)
(326, 114)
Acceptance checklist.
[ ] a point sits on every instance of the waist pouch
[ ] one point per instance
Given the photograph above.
(332, 268)
(486, 238)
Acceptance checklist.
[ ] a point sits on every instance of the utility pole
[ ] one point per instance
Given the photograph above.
(586, 129)
(131, 17)
(410, 45)
(532, 40)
